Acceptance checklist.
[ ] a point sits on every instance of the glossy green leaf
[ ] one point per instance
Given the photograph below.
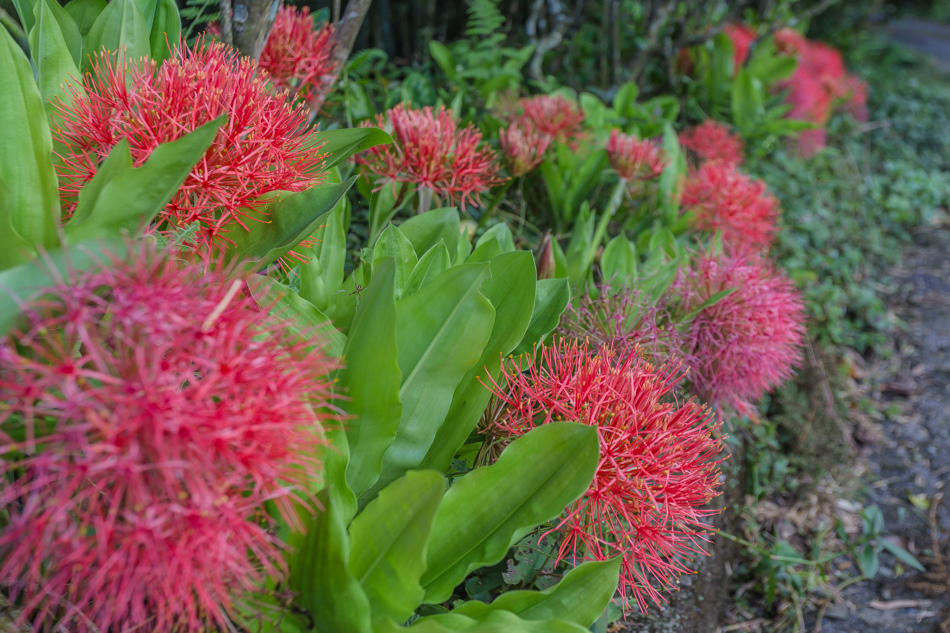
(321, 278)
(902, 555)
(290, 220)
(670, 180)
(370, 379)
(494, 622)
(14, 250)
(578, 260)
(341, 144)
(320, 574)
(165, 29)
(56, 47)
(485, 252)
(433, 263)
(302, 317)
(748, 97)
(500, 233)
(24, 10)
(120, 27)
(127, 199)
(443, 57)
(619, 261)
(392, 243)
(84, 13)
(389, 543)
(708, 303)
(440, 334)
(429, 228)
(580, 597)
(551, 299)
(491, 508)
(26, 146)
(511, 292)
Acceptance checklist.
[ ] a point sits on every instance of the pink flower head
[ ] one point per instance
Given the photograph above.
(658, 460)
(742, 38)
(635, 159)
(748, 342)
(151, 408)
(429, 150)
(259, 151)
(789, 41)
(299, 57)
(523, 147)
(556, 116)
(712, 141)
(724, 199)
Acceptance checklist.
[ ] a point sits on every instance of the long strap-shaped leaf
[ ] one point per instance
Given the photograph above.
(495, 622)
(491, 508)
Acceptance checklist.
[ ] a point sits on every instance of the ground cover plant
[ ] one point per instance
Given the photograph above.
(295, 342)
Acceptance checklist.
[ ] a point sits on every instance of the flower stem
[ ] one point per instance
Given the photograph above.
(615, 199)
(425, 199)
(494, 203)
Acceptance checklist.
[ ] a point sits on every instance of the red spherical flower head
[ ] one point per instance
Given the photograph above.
(658, 460)
(429, 150)
(724, 199)
(712, 141)
(749, 341)
(522, 147)
(259, 151)
(299, 57)
(789, 41)
(151, 408)
(742, 37)
(556, 116)
(634, 159)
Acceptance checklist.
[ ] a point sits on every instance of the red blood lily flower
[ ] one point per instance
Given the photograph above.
(429, 151)
(555, 116)
(299, 57)
(724, 199)
(713, 141)
(634, 159)
(742, 38)
(523, 147)
(260, 150)
(658, 464)
(151, 408)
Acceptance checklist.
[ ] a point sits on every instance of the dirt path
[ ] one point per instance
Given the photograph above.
(910, 464)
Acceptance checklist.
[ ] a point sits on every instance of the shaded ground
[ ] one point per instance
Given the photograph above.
(924, 37)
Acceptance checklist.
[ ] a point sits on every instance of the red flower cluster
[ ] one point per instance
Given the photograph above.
(430, 151)
(820, 82)
(258, 152)
(523, 147)
(657, 460)
(742, 38)
(298, 57)
(556, 116)
(150, 410)
(749, 341)
(634, 159)
(724, 199)
(712, 141)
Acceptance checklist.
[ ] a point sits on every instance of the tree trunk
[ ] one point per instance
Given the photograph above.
(251, 24)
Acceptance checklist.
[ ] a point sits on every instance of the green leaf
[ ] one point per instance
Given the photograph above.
(147, 8)
(26, 147)
(511, 292)
(440, 53)
(84, 13)
(435, 261)
(341, 144)
(389, 543)
(580, 598)
(302, 317)
(165, 29)
(290, 220)
(392, 243)
(619, 261)
(747, 101)
(551, 299)
(14, 250)
(24, 10)
(491, 508)
(370, 380)
(128, 199)
(429, 228)
(624, 99)
(56, 47)
(902, 555)
(708, 303)
(578, 261)
(321, 278)
(500, 233)
(868, 561)
(670, 189)
(320, 574)
(495, 622)
(440, 334)
(120, 27)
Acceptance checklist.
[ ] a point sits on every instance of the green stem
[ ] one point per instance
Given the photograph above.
(616, 198)
(425, 199)
(496, 200)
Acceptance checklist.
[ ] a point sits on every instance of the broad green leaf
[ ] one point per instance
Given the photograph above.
(427, 229)
(382, 207)
(320, 574)
(302, 317)
(370, 379)
(321, 277)
(164, 29)
(84, 13)
(290, 220)
(14, 250)
(435, 261)
(25, 150)
(711, 301)
(902, 555)
(56, 47)
(485, 252)
(392, 243)
(440, 334)
(24, 10)
(500, 233)
(389, 542)
(551, 299)
(120, 27)
(132, 197)
(21, 282)
(673, 174)
(580, 598)
(578, 260)
(494, 622)
(117, 162)
(440, 53)
(147, 8)
(341, 144)
(619, 261)
(747, 101)
(625, 97)
(511, 292)
(491, 508)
